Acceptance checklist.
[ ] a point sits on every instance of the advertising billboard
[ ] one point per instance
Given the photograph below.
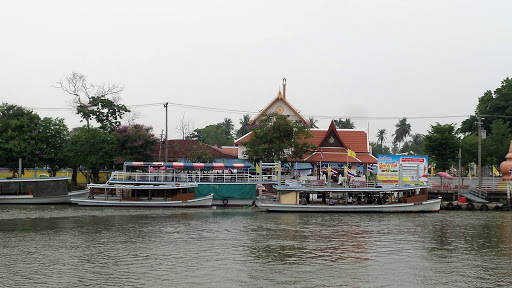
(414, 170)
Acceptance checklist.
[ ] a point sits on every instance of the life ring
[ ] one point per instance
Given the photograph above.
(449, 206)
(470, 206)
(225, 202)
(484, 207)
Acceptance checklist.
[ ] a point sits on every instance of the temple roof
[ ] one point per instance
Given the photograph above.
(280, 100)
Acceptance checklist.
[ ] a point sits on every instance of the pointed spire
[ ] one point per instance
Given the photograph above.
(279, 95)
(284, 88)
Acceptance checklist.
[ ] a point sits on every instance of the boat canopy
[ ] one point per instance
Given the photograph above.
(188, 166)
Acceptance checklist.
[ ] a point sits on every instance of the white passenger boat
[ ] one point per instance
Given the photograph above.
(121, 195)
(231, 184)
(351, 200)
(48, 190)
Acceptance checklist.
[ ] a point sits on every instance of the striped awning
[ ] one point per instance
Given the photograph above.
(189, 166)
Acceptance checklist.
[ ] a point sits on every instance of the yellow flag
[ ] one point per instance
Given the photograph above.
(469, 174)
(329, 171)
(346, 171)
(257, 168)
(351, 153)
(495, 171)
(432, 171)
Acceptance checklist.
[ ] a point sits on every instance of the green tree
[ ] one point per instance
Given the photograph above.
(91, 149)
(95, 102)
(414, 146)
(276, 138)
(244, 126)
(344, 124)
(228, 125)
(469, 149)
(214, 135)
(495, 147)
(52, 138)
(18, 137)
(442, 145)
(312, 123)
(497, 103)
(469, 126)
(381, 136)
(379, 149)
(135, 143)
(403, 129)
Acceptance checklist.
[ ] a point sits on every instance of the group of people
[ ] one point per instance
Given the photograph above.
(350, 200)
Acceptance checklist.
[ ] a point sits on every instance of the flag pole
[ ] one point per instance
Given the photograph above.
(347, 165)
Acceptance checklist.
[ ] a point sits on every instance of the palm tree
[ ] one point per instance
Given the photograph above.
(403, 129)
(344, 124)
(417, 139)
(228, 124)
(381, 136)
(312, 122)
(244, 126)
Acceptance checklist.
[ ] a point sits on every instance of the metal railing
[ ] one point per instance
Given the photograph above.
(156, 177)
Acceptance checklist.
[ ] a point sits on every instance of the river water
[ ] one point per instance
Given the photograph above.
(67, 246)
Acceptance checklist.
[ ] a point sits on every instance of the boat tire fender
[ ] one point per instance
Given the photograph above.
(498, 208)
(484, 207)
(458, 207)
(449, 206)
(470, 206)
(225, 202)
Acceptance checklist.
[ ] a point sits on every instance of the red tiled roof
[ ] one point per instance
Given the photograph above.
(340, 157)
(244, 138)
(230, 150)
(355, 140)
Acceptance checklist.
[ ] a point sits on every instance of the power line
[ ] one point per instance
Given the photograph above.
(216, 109)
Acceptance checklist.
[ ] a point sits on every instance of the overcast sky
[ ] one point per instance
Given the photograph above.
(354, 59)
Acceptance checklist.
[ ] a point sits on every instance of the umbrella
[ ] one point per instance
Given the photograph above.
(445, 175)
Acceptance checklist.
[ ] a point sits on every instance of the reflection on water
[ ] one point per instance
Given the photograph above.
(66, 246)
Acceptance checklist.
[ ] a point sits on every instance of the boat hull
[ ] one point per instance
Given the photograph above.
(30, 199)
(194, 203)
(426, 206)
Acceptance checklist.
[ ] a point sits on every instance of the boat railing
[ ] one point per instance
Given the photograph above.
(215, 177)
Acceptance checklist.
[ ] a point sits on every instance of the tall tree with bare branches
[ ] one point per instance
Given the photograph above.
(185, 127)
(98, 102)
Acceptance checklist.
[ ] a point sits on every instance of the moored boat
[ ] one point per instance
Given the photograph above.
(231, 184)
(47, 190)
(351, 200)
(162, 195)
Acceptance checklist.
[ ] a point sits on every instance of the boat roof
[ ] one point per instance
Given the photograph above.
(41, 179)
(350, 190)
(152, 187)
(189, 166)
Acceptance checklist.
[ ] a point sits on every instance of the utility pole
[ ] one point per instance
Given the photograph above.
(460, 173)
(166, 135)
(479, 153)
(160, 148)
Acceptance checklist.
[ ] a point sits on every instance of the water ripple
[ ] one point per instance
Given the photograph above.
(66, 246)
